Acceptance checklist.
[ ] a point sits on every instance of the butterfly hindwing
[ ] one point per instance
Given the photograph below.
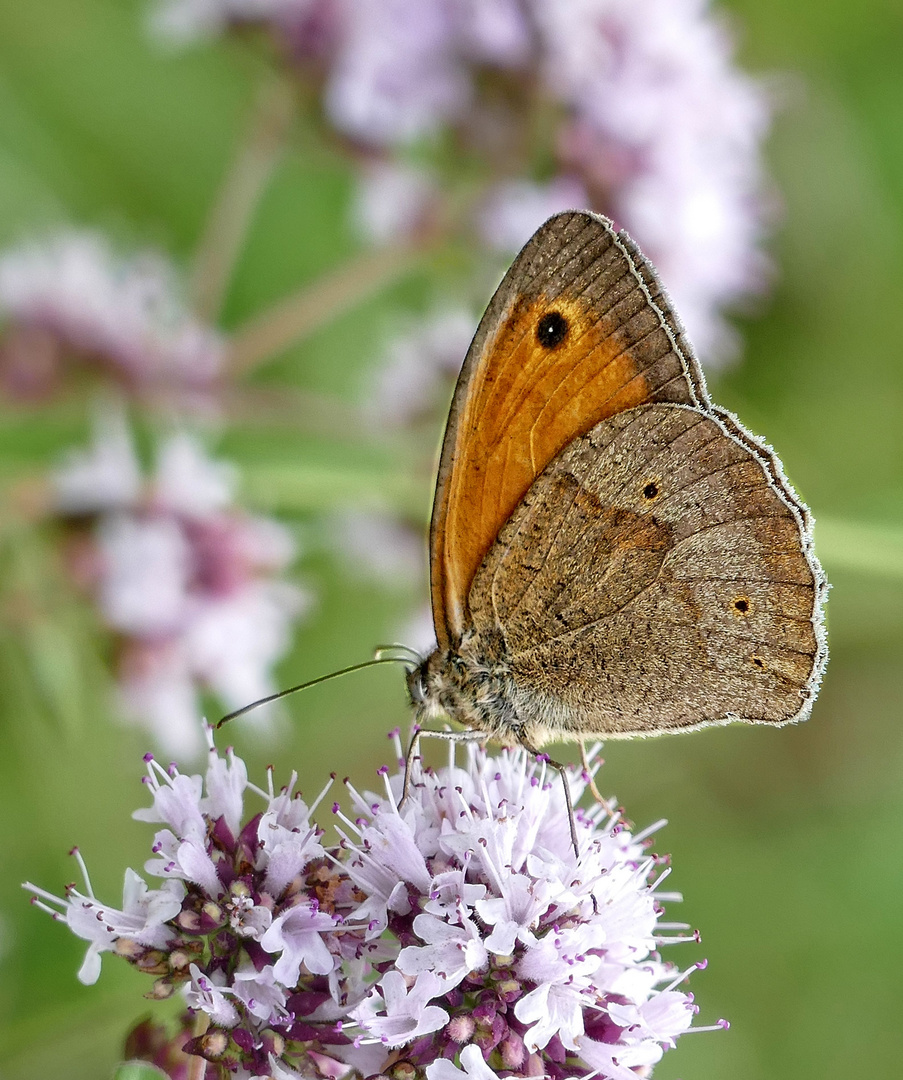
(653, 579)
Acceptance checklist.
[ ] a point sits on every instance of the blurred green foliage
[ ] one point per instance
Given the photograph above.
(786, 844)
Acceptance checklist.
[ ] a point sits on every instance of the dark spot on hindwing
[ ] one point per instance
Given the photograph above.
(551, 330)
(650, 490)
(741, 604)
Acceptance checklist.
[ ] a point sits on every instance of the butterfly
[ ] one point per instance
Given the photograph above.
(611, 554)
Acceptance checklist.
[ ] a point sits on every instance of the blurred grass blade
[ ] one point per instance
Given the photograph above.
(242, 189)
(49, 635)
(856, 545)
(55, 663)
(314, 486)
(297, 316)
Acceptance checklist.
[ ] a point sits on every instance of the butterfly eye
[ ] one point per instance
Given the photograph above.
(551, 329)
(416, 687)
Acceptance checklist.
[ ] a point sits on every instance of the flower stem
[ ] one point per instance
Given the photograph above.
(239, 196)
(197, 1066)
(298, 315)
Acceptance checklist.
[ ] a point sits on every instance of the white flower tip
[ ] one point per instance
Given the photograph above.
(89, 972)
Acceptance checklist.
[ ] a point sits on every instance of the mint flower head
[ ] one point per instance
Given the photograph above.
(509, 954)
(243, 921)
(453, 934)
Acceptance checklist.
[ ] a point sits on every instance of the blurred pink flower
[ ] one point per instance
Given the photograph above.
(665, 132)
(188, 582)
(380, 547)
(306, 27)
(392, 201)
(71, 302)
(646, 118)
(419, 367)
(513, 209)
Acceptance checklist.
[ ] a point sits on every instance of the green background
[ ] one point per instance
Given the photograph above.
(786, 844)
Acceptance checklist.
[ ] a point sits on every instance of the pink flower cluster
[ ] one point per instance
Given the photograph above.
(638, 106)
(71, 305)
(457, 935)
(189, 583)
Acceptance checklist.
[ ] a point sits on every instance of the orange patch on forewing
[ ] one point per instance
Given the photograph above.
(527, 403)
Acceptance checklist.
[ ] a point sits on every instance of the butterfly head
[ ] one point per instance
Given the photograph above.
(469, 683)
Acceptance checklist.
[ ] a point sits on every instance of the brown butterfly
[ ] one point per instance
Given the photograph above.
(611, 554)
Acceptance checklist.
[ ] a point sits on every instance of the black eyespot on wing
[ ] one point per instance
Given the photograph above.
(741, 604)
(650, 490)
(551, 330)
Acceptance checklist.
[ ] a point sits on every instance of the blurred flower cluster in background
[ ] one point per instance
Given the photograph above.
(485, 118)
(244, 245)
(185, 580)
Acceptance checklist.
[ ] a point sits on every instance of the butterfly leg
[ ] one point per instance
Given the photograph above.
(572, 825)
(414, 749)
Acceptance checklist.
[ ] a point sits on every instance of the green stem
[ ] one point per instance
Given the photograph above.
(298, 315)
(239, 196)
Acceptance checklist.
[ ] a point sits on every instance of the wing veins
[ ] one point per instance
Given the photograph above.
(597, 374)
(670, 622)
(545, 558)
(731, 521)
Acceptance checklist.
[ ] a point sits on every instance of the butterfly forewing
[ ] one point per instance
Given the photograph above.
(579, 330)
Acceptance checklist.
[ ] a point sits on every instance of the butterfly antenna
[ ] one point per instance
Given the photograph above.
(379, 659)
(409, 655)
